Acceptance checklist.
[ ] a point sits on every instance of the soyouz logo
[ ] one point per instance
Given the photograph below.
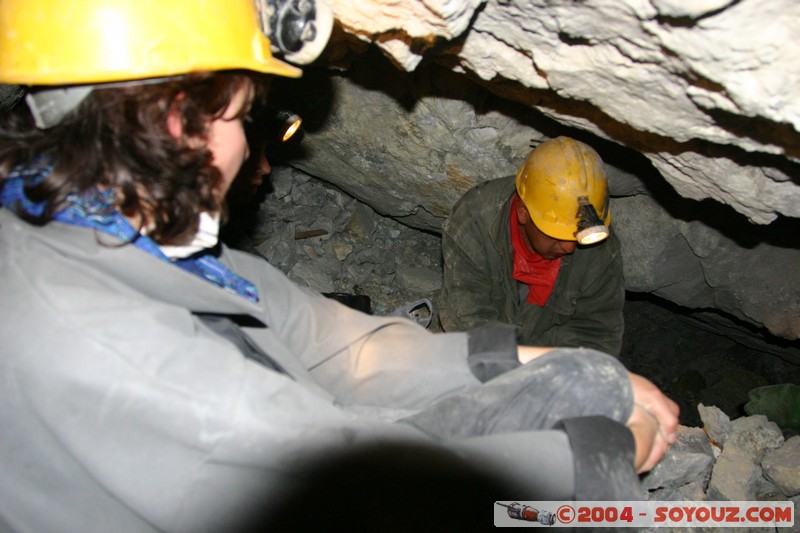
(644, 514)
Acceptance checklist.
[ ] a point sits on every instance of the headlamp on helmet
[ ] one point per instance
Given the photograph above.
(564, 187)
(591, 229)
(93, 43)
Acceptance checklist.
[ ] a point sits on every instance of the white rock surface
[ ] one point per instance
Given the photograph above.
(702, 88)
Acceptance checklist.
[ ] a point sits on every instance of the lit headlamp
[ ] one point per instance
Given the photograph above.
(288, 124)
(298, 30)
(591, 228)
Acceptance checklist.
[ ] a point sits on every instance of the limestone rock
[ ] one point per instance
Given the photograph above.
(737, 474)
(782, 467)
(689, 460)
(698, 87)
(716, 423)
(735, 477)
(754, 436)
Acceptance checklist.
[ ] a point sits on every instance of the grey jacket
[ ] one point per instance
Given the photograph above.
(122, 409)
(584, 309)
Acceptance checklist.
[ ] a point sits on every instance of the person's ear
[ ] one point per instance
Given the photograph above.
(174, 117)
(174, 123)
(522, 212)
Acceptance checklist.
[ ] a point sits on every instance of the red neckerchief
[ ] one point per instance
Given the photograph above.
(529, 267)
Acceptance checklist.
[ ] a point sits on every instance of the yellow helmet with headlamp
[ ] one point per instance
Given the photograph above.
(64, 49)
(564, 187)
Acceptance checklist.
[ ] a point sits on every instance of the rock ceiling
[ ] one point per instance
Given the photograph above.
(707, 90)
(695, 105)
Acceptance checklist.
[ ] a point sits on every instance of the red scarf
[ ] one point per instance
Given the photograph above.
(529, 267)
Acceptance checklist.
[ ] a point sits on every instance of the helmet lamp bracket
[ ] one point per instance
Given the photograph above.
(591, 229)
(297, 29)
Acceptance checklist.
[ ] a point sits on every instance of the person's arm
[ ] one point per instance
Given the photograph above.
(653, 422)
(598, 320)
(465, 298)
(359, 359)
(654, 418)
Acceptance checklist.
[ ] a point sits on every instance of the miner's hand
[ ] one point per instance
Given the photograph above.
(653, 422)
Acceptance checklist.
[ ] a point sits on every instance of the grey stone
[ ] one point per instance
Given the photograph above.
(308, 195)
(692, 491)
(362, 223)
(309, 276)
(754, 436)
(735, 477)
(281, 181)
(782, 467)
(418, 279)
(689, 460)
(716, 423)
(342, 250)
(279, 251)
(632, 78)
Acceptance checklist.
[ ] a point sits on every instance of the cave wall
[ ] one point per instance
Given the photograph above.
(707, 90)
(694, 108)
(410, 145)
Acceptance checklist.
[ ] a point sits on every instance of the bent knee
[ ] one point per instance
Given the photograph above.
(591, 378)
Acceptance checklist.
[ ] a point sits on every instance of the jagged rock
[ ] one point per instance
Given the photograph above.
(418, 279)
(342, 250)
(689, 460)
(692, 491)
(362, 223)
(754, 435)
(358, 252)
(311, 276)
(735, 477)
(737, 474)
(716, 423)
(279, 251)
(782, 467)
(281, 182)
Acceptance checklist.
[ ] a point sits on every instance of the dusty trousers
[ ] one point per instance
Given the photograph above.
(584, 394)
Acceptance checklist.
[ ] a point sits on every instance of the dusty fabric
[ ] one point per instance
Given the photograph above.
(563, 383)
(492, 350)
(559, 390)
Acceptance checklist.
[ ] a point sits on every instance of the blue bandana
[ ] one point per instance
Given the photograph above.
(95, 209)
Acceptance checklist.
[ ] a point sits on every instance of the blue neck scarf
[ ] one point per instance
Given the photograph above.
(95, 209)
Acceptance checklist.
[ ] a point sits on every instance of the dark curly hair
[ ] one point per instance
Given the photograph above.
(118, 138)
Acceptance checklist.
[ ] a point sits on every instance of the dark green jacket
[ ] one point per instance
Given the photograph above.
(584, 309)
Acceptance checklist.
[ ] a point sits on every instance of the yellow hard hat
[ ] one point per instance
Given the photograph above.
(73, 42)
(564, 187)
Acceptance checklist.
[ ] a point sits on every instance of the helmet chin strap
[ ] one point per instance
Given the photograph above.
(49, 106)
